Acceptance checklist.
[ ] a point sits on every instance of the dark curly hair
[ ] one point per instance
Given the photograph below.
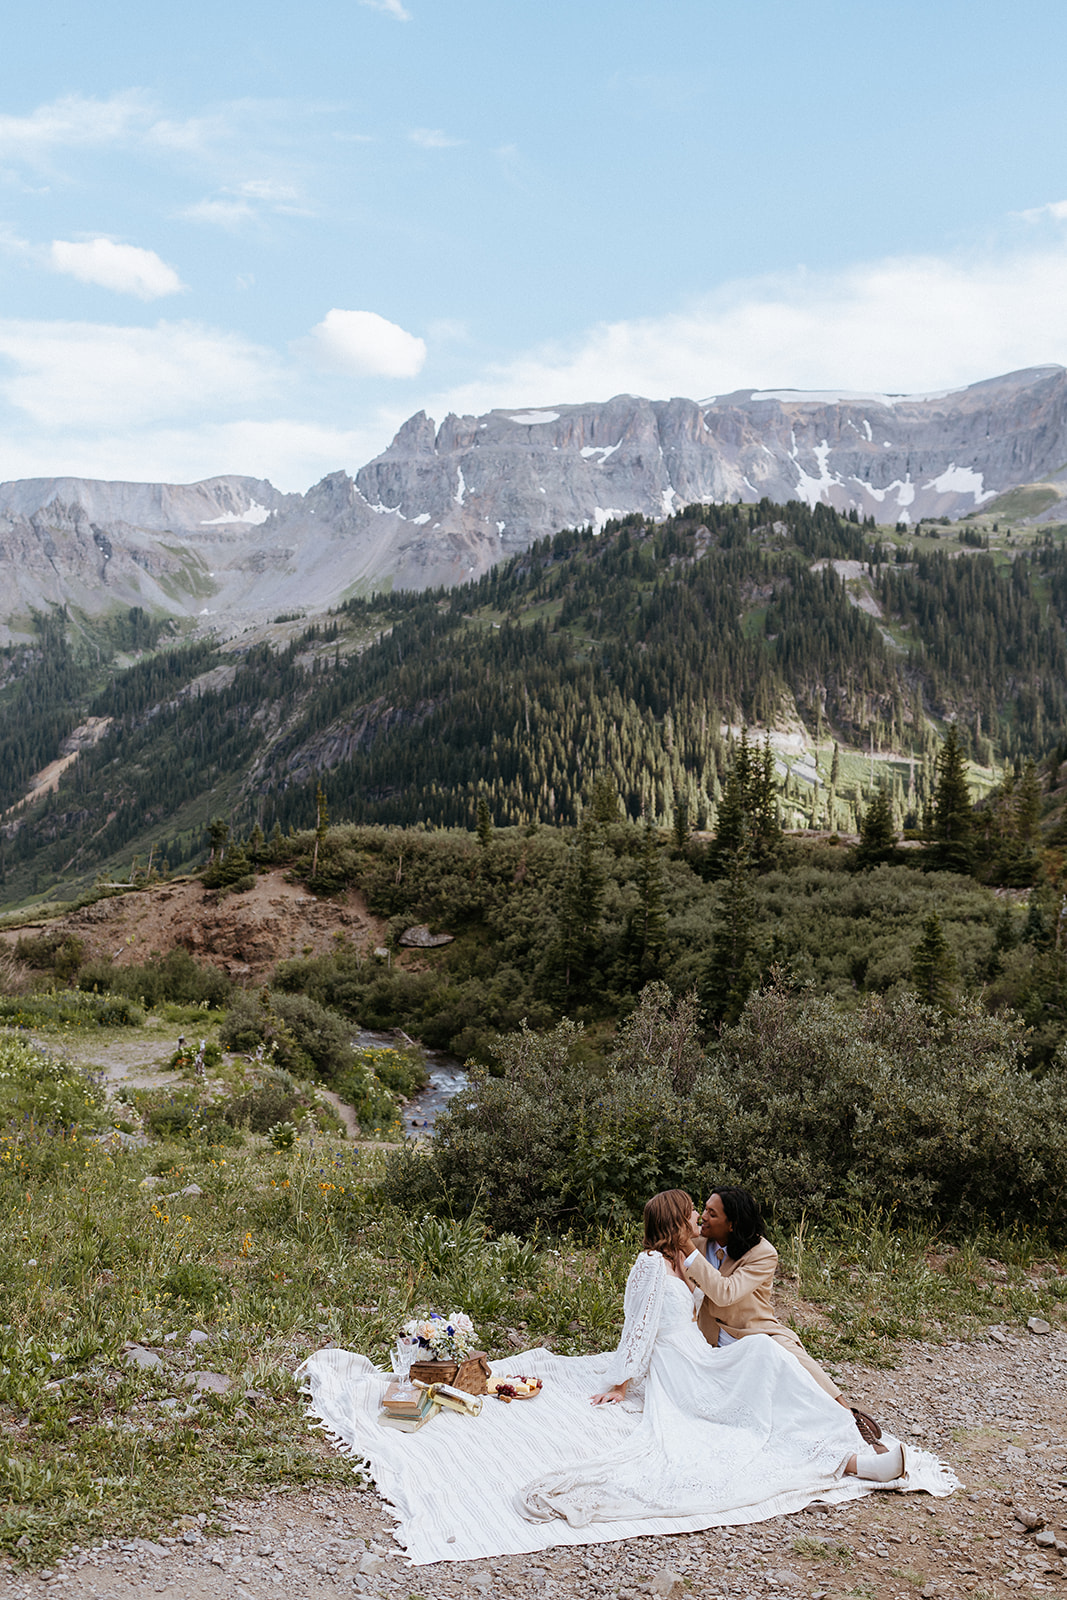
(747, 1226)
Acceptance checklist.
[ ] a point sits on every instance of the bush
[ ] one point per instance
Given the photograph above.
(276, 1100)
(403, 1071)
(37, 1088)
(501, 1144)
(372, 1102)
(891, 1105)
(69, 1009)
(305, 1037)
(175, 977)
(54, 951)
(813, 1106)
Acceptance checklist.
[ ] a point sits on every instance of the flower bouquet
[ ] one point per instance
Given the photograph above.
(449, 1344)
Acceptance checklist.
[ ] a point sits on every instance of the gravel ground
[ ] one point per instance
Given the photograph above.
(995, 1410)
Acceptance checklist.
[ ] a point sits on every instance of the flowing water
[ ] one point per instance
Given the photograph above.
(447, 1078)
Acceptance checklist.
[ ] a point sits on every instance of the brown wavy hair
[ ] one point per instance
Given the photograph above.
(667, 1226)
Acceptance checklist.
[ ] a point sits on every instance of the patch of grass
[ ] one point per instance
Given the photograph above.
(879, 1281)
(69, 1008)
(1028, 500)
(818, 1550)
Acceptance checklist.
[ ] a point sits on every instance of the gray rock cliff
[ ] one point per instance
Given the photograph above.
(443, 504)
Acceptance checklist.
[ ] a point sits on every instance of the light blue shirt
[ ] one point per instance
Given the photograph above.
(716, 1255)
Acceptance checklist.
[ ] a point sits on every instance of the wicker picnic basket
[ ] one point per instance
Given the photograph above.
(471, 1375)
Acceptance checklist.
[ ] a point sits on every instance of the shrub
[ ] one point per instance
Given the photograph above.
(175, 977)
(403, 1071)
(370, 1099)
(37, 1088)
(813, 1106)
(53, 951)
(71, 1009)
(276, 1100)
(501, 1143)
(306, 1038)
(894, 1104)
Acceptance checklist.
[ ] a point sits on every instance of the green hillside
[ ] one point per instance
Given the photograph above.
(630, 655)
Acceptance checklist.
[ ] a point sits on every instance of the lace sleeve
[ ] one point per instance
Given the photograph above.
(641, 1306)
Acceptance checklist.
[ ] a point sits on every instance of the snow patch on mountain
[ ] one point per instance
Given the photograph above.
(255, 517)
(961, 480)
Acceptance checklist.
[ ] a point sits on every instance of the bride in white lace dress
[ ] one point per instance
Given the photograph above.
(700, 1437)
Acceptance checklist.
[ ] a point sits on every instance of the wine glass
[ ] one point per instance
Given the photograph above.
(403, 1356)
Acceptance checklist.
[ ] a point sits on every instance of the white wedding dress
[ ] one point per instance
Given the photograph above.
(706, 1437)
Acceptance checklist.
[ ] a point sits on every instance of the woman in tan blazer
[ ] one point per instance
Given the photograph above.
(737, 1291)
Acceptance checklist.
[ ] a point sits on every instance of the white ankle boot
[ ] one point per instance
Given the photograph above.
(883, 1468)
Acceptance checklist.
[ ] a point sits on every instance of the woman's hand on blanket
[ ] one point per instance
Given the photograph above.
(610, 1397)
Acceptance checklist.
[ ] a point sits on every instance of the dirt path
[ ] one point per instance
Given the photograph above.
(994, 1410)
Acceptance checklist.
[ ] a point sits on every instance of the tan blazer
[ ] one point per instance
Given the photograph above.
(737, 1299)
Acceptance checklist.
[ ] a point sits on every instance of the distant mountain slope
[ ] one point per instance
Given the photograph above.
(445, 504)
(637, 655)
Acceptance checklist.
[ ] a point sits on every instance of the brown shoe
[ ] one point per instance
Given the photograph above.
(869, 1430)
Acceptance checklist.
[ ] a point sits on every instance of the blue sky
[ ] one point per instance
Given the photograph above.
(255, 239)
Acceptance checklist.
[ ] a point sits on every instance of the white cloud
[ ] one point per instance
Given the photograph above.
(243, 202)
(266, 189)
(364, 343)
(220, 213)
(1055, 211)
(392, 8)
(291, 452)
(902, 324)
(433, 139)
(122, 267)
(74, 120)
(79, 374)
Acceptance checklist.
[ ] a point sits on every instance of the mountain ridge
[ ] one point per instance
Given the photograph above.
(444, 504)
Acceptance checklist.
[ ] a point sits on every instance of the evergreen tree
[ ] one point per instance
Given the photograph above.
(322, 823)
(1027, 805)
(766, 828)
(647, 924)
(731, 830)
(933, 967)
(952, 825)
(878, 836)
(733, 970)
(680, 826)
(580, 909)
(484, 825)
(604, 805)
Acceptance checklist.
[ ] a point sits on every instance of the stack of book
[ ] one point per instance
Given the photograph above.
(406, 1406)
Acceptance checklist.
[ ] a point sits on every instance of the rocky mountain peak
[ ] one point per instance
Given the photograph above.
(443, 504)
